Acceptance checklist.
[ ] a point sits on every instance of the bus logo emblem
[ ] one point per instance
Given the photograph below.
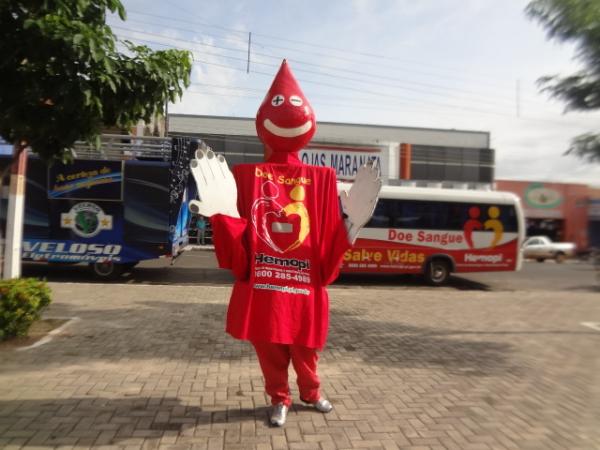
(492, 223)
(86, 220)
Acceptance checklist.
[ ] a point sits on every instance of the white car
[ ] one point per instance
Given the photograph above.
(541, 248)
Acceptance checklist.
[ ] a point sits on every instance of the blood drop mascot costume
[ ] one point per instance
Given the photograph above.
(283, 239)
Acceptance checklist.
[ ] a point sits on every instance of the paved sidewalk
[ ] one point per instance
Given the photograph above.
(150, 367)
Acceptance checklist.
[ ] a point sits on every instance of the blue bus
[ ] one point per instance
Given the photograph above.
(112, 206)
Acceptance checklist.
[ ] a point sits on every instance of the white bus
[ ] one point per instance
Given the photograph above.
(436, 232)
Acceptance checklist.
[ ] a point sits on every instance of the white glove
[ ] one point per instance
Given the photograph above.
(216, 186)
(359, 203)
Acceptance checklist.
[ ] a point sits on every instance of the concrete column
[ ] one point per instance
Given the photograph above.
(15, 215)
(405, 161)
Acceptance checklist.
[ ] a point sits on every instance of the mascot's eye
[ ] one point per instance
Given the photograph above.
(295, 100)
(277, 100)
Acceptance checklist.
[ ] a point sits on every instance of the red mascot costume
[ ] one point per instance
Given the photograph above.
(284, 247)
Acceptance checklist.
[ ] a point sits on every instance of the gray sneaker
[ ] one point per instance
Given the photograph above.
(321, 405)
(279, 414)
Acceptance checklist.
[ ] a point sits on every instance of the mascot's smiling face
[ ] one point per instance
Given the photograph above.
(285, 121)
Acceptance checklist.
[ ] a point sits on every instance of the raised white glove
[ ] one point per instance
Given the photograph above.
(359, 203)
(216, 186)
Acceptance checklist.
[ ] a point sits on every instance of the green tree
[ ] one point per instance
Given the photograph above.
(576, 21)
(64, 75)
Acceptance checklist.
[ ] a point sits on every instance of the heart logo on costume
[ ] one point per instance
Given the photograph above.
(281, 228)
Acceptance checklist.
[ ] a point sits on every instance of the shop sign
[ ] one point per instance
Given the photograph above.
(540, 197)
(345, 160)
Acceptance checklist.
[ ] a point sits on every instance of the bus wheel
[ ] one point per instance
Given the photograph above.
(437, 272)
(106, 270)
(540, 259)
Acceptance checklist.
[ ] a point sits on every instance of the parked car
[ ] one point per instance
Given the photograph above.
(541, 248)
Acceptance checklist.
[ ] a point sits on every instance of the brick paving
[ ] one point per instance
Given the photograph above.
(149, 367)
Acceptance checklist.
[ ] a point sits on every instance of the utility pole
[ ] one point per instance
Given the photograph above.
(166, 118)
(15, 213)
(518, 99)
(249, 44)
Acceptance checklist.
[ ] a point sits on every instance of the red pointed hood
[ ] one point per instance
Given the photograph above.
(285, 121)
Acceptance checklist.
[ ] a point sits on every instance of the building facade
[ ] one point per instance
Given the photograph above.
(406, 155)
(594, 218)
(562, 211)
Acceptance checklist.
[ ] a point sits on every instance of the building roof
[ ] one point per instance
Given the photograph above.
(335, 132)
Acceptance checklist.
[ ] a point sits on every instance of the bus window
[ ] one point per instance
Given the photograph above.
(380, 218)
(437, 215)
(407, 215)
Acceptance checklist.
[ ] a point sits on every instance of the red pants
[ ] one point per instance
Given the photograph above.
(274, 361)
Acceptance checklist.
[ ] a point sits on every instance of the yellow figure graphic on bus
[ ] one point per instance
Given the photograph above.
(494, 224)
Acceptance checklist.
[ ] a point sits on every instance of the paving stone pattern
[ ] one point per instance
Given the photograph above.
(150, 367)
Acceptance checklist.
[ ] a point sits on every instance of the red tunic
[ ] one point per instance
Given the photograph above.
(286, 247)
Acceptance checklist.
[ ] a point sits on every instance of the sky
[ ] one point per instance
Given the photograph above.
(450, 64)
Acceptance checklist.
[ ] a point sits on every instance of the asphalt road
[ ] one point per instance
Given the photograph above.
(199, 267)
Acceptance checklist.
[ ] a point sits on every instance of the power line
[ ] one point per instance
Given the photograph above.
(453, 107)
(336, 86)
(356, 80)
(504, 98)
(179, 29)
(347, 88)
(401, 106)
(192, 22)
(404, 62)
(162, 36)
